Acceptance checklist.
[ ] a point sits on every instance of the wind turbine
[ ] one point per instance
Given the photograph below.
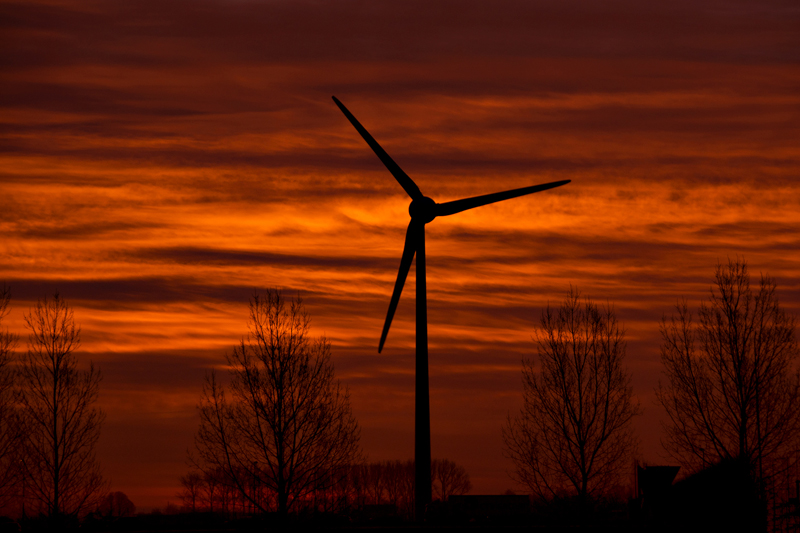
(423, 210)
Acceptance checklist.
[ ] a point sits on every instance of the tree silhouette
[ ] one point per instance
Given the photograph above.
(573, 434)
(116, 504)
(9, 420)
(354, 486)
(192, 485)
(449, 478)
(732, 385)
(284, 423)
(393, 482)
(61, 423)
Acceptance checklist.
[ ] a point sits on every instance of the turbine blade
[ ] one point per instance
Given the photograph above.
(457, 206)
(402, 178)
(410, 248)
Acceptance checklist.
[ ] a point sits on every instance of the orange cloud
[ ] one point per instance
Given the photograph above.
(160, 161)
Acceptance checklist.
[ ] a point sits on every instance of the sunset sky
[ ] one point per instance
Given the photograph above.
(161, 160)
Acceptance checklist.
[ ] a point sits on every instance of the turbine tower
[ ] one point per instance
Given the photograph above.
(423, 210)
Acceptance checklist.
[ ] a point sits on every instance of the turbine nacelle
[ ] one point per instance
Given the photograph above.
(422, 209)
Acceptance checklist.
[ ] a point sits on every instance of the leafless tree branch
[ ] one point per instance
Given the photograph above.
(732, 387)
(573, 435)
(10, 423)
(62, 425)
(284, 423)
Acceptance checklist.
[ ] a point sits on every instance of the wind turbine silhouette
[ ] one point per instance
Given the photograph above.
(423, 210)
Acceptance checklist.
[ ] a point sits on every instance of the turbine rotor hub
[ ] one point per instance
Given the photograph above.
(422, 209)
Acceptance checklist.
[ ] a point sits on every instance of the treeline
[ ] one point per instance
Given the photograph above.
(279, 436)
(351, 488)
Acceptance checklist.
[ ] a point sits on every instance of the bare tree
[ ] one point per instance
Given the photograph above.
(212, 491)
(61, 423)
(449, 478)
(398, 483)
(392, 482)
(375, 482)
(115, 505)
(192, 487)
(284, 423)
(573, 434)
(9, 420)
(732, 385)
